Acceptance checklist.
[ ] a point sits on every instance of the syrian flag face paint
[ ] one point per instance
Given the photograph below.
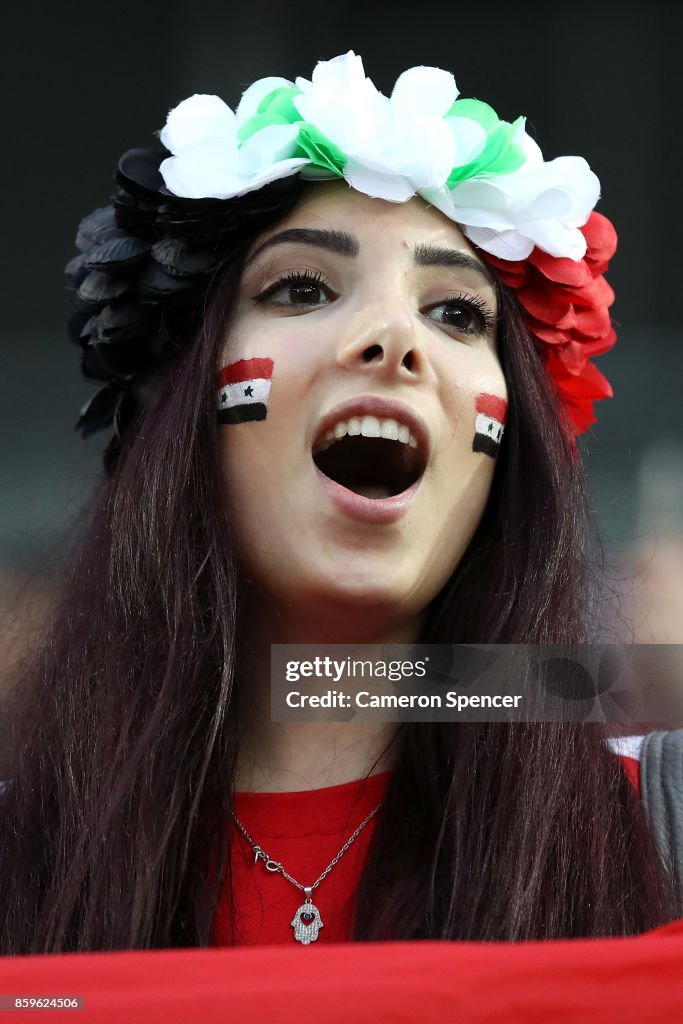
(243, 390)
(489, 424)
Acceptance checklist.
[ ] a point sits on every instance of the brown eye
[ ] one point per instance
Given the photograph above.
(305, 294)
(463, 315)
(457, 316)
(302, 289)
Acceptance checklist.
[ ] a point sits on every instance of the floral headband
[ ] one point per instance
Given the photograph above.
(179, 211)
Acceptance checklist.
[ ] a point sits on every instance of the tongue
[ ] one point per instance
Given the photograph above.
(371, 490)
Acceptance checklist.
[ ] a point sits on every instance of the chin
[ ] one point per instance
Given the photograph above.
(355, 594)
(384, 598)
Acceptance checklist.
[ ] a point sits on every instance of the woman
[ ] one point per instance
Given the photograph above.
(331, 315)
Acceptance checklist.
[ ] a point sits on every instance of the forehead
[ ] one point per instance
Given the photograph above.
(334, 205)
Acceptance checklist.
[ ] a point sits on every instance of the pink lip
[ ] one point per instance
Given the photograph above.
(374, 510)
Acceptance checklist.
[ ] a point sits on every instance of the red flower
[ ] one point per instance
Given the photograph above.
(566, 306)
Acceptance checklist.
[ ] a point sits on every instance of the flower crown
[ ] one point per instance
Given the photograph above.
(532, 220)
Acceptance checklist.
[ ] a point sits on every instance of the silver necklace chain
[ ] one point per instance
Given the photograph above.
(276, 866)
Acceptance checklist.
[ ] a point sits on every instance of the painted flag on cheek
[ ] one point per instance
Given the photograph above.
(489, 424)
(243, 390)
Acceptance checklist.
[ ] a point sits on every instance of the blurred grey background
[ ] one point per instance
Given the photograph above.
(85, 81)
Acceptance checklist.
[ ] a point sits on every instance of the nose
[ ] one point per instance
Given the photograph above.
(385, 344)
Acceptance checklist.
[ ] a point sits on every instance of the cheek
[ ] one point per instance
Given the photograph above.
(256, 358)
(257, 399)
(474, 400)
(243, 403)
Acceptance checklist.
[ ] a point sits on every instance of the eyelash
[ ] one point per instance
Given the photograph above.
(486, 320)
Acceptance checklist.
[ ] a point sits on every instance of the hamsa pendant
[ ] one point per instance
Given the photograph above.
(306, 923)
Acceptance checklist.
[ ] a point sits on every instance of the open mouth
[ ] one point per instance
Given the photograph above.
(372, 466)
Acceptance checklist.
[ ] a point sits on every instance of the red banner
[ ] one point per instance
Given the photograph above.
(610, 981)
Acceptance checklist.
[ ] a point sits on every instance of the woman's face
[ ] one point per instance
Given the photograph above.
(379, 318)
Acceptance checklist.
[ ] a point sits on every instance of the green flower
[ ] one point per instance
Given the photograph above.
(278, 108)
(320, 151)
(500, 154)
(275, 108)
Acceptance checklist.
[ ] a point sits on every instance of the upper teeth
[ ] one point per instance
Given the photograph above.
(368, 426)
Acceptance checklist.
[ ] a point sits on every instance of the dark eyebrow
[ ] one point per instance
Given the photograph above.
(439, 256)
(343, 244)
(336, 241)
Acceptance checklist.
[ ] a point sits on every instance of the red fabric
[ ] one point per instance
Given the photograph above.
(631, 766)
(609, 981)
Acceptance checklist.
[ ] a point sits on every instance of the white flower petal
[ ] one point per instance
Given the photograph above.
(197, 117)
(251, 97)
(551, 204)
(268, 146)
(310, 108)
(283, 169)
(573, 175)
(391, 186)
(337, 123)
(375, 110)
(342, 103)
(430, 153)
(340, 76)
(469, 137)
(379, 163)
(205, 169)
(441, 199)
(533, 157)
(570, 174)
(556, 239)
(497, 220)
(423, 92)
(483, 201)
(506, 245)
(499, 192)
(445, 199)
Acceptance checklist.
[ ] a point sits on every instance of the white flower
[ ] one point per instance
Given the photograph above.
(541, 204)
(431, 144)
(209, 163)
(394, 146)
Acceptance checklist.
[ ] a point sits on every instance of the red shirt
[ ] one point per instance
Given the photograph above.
(305, 831)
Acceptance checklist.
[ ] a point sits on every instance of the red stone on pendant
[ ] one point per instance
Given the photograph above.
(307, 918)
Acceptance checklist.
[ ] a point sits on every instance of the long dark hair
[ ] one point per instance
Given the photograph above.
(114, 828)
